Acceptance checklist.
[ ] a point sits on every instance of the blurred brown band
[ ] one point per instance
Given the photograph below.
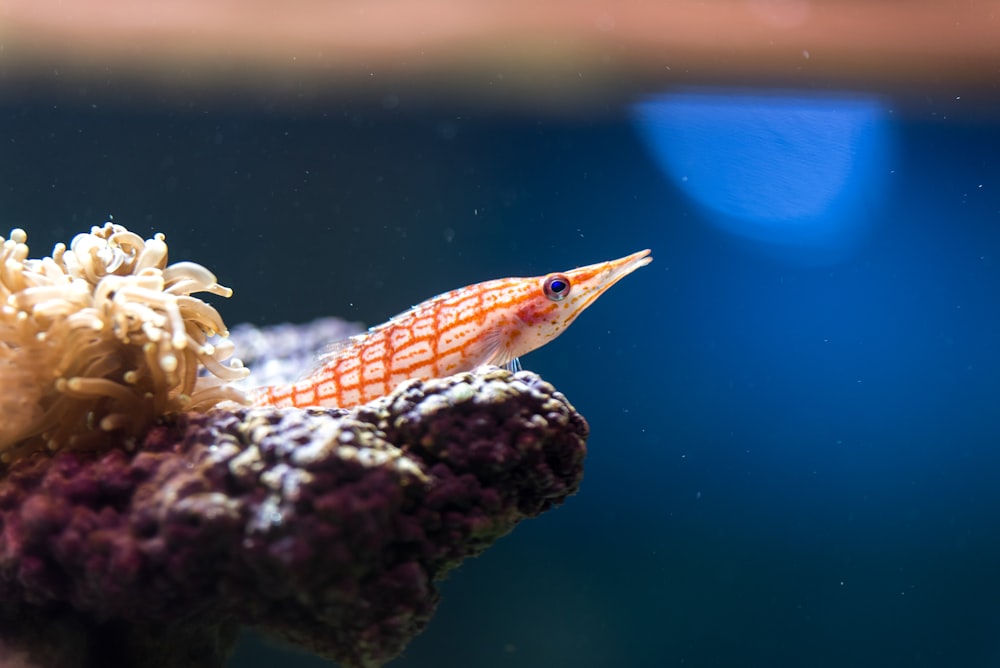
(533, 53)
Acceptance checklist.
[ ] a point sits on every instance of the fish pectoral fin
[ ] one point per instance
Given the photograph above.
(496, 351)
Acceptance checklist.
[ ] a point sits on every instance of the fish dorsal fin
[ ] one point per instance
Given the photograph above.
(413, 310)
(334, 349)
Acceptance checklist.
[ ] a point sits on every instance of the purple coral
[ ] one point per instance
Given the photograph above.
(327, 528)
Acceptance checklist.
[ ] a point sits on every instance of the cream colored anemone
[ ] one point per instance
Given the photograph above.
(104, 337)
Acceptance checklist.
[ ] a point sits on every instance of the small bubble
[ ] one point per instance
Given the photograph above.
(604, 22)
(446, 130)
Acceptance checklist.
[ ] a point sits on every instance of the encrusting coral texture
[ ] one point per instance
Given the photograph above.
(146, 516)
(326, 528)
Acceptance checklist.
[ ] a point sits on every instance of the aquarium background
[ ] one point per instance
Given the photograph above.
(793, 458)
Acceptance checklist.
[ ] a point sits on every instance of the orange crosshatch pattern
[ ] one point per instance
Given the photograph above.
(493, 322)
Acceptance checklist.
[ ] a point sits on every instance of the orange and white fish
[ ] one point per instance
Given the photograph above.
(493, 322)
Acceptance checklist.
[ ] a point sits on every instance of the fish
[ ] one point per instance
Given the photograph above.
(490, 323)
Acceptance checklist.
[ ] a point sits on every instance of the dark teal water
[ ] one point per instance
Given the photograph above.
(793, 462)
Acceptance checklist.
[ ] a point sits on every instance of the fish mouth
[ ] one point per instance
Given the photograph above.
(597, 278)
(622, 267)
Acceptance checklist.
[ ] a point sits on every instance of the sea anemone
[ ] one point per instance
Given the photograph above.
(102, 337)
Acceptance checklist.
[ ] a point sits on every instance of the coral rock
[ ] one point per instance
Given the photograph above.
(326, 528)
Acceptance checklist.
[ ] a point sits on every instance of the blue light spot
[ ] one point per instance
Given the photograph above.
(800, 172)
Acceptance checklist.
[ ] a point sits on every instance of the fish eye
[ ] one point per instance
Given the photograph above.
(556, 287)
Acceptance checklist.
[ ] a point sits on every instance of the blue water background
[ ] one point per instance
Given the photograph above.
(791, 463)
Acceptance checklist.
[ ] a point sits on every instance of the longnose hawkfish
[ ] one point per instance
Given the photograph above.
(493, 322)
